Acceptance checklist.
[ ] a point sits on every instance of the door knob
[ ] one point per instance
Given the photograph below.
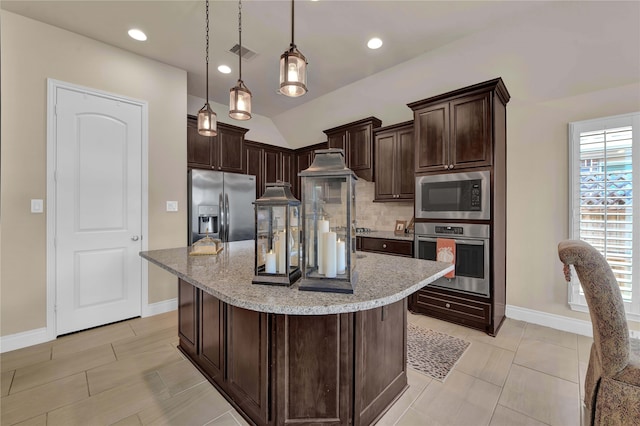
(134, 238)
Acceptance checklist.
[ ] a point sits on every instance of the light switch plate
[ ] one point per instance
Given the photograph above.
(172, 206)
(37, 206)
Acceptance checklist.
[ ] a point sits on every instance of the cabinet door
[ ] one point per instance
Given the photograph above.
(385, 145)
(254, 165)
(188, 317)
(211, 354)
(314, 369)
(470, 144)
(432, 138)
(303, 161)
(229, 150)
(288, 172)
(360, 159)
(404, 165)
(272, 166)
(339, 140)
(199, 148)
(248, 361)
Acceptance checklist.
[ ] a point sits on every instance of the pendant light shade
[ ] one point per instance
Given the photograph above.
(293, 69)
(240, 102)
(207, 119)
(240, 96)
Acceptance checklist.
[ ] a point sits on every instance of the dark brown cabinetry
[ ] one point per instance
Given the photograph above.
(394, 162)
(223, 152)
(454, 133)
(268, 164)
(276, 369)
(356, 139)
(467, 310)
(303, 159)
(466, 129)
(385, 246)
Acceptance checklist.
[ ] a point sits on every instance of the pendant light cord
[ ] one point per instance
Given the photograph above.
(207, 51)
(240, 38)
(293, 45)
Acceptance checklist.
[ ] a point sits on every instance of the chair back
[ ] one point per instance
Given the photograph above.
(602, 292)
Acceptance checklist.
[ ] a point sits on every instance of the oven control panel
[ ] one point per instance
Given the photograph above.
(450, 230)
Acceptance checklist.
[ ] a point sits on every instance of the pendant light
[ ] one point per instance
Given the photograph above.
(240, 96)
(293, 69)
(207, 119)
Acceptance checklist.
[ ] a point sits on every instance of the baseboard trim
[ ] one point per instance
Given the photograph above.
(41, 335)
(545, 319)
(24, 339)
(160, 307)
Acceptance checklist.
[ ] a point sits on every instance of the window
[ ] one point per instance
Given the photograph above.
(604, 167)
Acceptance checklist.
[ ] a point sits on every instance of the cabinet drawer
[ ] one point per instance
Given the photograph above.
(464, 309)
(380, 245)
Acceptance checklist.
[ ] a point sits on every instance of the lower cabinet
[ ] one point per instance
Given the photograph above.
(386, 246)
(466, 310)
(276, 369)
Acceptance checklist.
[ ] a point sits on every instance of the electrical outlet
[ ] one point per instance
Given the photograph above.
(172, 206)
(37, 206)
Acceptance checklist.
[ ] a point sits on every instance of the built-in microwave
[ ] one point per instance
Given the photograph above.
(453, 195)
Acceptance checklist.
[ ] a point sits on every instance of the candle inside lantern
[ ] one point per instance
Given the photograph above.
(340, 253)
(329, 246)
(270, 264)
(323, 227)
(281, 251)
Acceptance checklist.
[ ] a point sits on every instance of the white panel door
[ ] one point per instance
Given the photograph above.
(98, 210)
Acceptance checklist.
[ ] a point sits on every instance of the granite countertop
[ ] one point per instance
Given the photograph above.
(382, 280)
(387, 235)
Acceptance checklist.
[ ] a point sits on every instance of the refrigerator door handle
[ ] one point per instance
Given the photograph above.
(227, 217)
(221, 231)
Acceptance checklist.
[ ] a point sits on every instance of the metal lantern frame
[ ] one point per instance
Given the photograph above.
(277, 197)
(327, 175)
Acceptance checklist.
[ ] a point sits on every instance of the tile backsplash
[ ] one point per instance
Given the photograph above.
(378, 216)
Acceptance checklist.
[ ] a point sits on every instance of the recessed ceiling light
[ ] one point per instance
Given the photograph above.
(224, 69)
(137, 34)
(374, 43)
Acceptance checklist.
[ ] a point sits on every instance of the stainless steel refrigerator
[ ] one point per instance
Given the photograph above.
(221, 205)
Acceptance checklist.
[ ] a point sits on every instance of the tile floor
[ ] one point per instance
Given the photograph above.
(131, 373)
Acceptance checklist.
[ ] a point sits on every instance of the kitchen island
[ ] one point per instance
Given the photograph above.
(280, 355)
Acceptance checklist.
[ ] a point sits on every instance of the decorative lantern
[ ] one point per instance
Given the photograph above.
(277, 243)
(328, 230)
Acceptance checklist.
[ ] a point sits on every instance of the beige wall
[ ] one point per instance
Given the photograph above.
(32, 52)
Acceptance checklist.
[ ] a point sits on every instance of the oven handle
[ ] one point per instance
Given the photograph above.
(467, 242)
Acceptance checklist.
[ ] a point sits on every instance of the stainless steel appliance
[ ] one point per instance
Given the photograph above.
(452, 196)
(221, 205)
(471, 258)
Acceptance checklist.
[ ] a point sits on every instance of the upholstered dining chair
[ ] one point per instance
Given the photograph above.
(612, 383)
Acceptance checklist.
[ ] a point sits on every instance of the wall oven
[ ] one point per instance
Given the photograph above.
(471, 254)
(453, 196)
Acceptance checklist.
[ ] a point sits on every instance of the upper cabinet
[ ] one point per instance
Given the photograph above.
(223, 152)
(268, 164)
(394, 154)
(455, 130)
(356, 139)
(302, 160)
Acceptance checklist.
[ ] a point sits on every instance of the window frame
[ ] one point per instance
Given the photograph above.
(576, 300)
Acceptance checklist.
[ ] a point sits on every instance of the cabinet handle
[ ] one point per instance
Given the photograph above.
(446, 167)
(447, 305)
(384, 246)
(451, 166)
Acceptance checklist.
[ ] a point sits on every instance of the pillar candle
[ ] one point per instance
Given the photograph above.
(281, 251)
(270, 265)
(310, 249)
(323, 227)
(340, 253)
(329, 247)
